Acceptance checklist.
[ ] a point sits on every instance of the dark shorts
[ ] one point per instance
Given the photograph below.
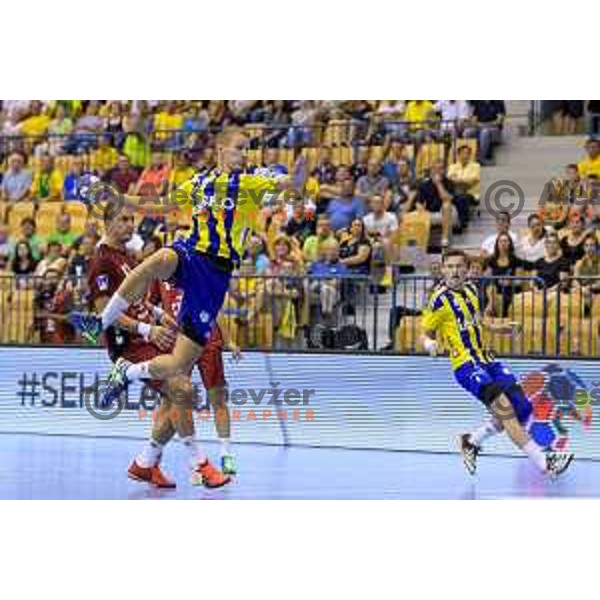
(204, 284)
(477, 379)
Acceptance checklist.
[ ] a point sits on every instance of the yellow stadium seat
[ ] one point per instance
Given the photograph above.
(45, 219)
(255, 157)
(428, 154)
(18, 212)
(76, 209)
(312, 156)
(414, 231)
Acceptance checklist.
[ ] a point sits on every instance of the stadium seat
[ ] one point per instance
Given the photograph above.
(312, 156)
(413, 234)
(428, 154)
(45, 219)
(4, 206)
(19, 211)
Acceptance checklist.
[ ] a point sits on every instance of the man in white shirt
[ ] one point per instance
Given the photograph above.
(379, 222)
(502, 226)
(453, 113)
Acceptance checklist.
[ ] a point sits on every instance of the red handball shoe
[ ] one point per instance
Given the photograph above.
(209, 476)
(152, 475)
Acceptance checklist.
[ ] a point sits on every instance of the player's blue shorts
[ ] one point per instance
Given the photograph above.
(204, 282)
(476, 379)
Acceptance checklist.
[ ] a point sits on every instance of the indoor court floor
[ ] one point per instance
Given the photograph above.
(60, 467)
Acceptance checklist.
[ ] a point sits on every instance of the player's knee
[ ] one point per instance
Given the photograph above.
(217, 397)
(492, 393)
(180, 392)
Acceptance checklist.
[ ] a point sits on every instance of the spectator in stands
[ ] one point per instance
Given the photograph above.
(553, 269)
(58, 130)
(271, 161)
(114, 123)
(312, 244)
(572, 243)
(72, 187)
(5, 247)
(182, 171)
(587, 270)
(167, 125)
(29, 235)
(454, 115)
(361, 166)
(435, 195)
(207, 161)
(36, 124)
(355, 248)
(256, 253)
(123, 176)
(16, 183)
(406, 188)
(395, 154)
(325, 274)
(23, 263)
(63, 234)
(51, 300)
(300, 226)
(565, 114)
(347, 207)
(53, 259)
(488, 118)
(86, 130)
(325, 171)
(300, 133)
(465, 174)
(389, 116)
(593, 110)
(154, 179)
(135, 147)
(502, 226)
(105, 157)
(419, 113)
(533, 244)
(503, 263)
(374, 183)
(590, 165)
(82, 253)
(48, 181)
(379, 223)
(277, 115)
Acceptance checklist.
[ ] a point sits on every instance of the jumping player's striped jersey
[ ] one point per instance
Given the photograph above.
(227, 207)
(456, 316)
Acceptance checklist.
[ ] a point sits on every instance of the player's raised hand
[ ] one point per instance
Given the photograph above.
(236, 352)
(431, 346)
(162, 337)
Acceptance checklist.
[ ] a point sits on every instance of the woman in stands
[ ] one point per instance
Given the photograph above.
(552, 270)
(23, 263)
(587, 271)
(502, 264)
(572, 244)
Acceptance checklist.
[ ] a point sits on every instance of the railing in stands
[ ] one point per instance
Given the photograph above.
(341, 314)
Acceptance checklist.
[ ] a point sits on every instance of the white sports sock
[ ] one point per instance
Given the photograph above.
(138, 371)
(116, 306)
(225, 448)
(196, 456)
(150, 454)
(535, 454)
(482, 433)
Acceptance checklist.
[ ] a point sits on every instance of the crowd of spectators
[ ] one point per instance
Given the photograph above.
(349, 219)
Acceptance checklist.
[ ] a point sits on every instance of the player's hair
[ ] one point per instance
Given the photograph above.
(453, 253)
(504, 213)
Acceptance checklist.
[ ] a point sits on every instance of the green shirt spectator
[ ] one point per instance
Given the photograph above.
(136, 149)
(63, 234)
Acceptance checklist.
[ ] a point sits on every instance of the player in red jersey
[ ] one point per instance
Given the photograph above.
(210, 366)
(137, 339)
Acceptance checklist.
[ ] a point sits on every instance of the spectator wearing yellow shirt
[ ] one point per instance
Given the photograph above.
(105, 157)
(165, 122)
(417, 112)
(182, 171)
(465, 174)
(36, 124)
(590, 165)
(136, 149)
(48, 181)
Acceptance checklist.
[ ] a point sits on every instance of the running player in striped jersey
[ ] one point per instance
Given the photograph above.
(226, 209)
(453, 314)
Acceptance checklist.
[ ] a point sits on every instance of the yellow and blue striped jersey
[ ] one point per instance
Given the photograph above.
(226, 208)
(456, 316)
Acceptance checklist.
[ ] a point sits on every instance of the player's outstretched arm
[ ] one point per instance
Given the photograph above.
(510, 328)
(430, 343)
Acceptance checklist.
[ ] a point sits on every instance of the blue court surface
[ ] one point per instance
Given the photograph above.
(61, 467)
